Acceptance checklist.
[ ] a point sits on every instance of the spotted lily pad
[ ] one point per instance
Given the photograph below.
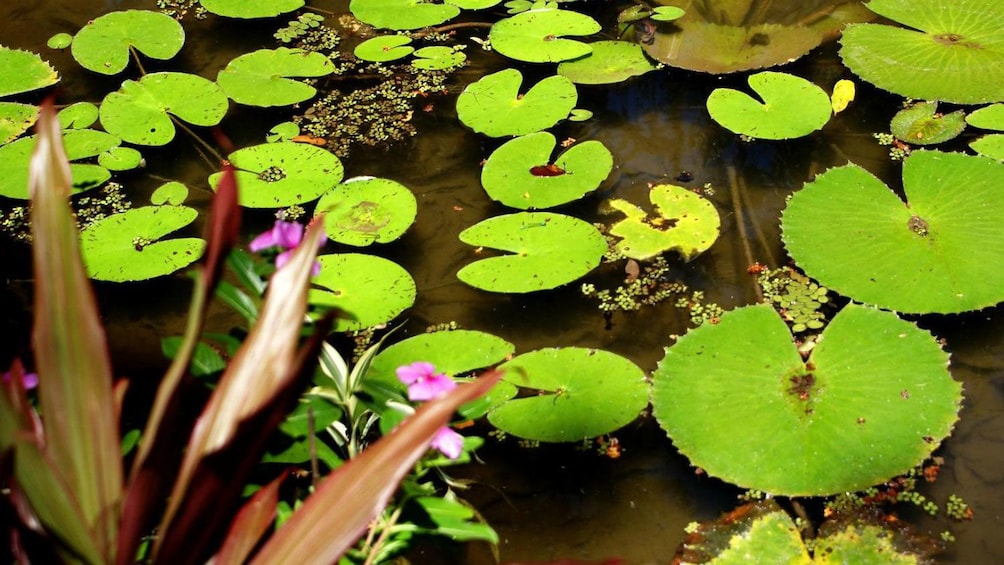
(15, 119)
(874, 399)
(367, 210)
(940, 251)
(248, 9)
(80, 144)
(791, 107)
(23, 71)
(138, 112)
(609, 62)
(948, 51)
(547, 250)
(384, 48)
(579, 393)
(989, 117)
(402, 14)
(683, 222)
(127, 246)
(276, 175)
(521, 174)
(494, 106)
(372, 289)
(536, 36)
(103, 44)
(260, 78)
(921, 124)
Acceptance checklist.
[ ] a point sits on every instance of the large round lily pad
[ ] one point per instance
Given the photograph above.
(609, 62)
(371, 289)
(276, 175)
(874, 400)
(940, 251)
(24, 71)
(493, 105)
(579, 393)
(15, 119)
(138, 112)
(79, 143)
(547, 250)
(791, 107)
(402, 14)
(125, 247)
(521, 174)
(684, 222)
(103, 44)
(536, 36)
(260, 78)
(953, 51)
(247, 9)
(367, 210)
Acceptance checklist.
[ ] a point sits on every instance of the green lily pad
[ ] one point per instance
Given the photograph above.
(684, 222)
(125, 247)
(277, 175)
(952, 52)
(494, 106)
(15, 119)
(120, 159)
(791, 107)
(79, 115)
(384, 48)
(520, 173)
(579, 393)
(667, 13)
(402, 14)
(987, 117)
(103, 44)
(536, 36)
(367, 210)
(284, 131)
(548, 250)
(372, 289)
(760, 529)
(873, 401)
(23, 71)
(920, 124)
(438, 58)
(991, 145)
(249, 9)
(260, 78)
(941, 251)
(473, 4)
(174, 193)
(138, 112)
(79, 143)
(59, 41)
(610, 62)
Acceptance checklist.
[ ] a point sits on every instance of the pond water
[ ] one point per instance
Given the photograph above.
(556, 502)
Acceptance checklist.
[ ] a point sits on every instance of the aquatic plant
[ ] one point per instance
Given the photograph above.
(375, 290)
(274, 175)
(684, 222)
(494, 106)
(104, 45)
(366, 210)
(608, 62)
(255, 78)
(992, 118)
(791, 107)
(538, 35)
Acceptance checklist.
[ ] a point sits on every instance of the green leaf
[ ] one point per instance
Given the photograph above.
(473, 4)
(205, 361)
(384, 48)
(78, 115)
(494, 106)
(15, 119)
(366, 210)
(402, 14)
(23, 71)
(120, 159)
(453, 519)
(438, 58)
(920, 124)
(547, 250)
(249, 9)
(276, 175)
(667, 13)
(609, 62)
(103, 44)
(536, 36)
(761, 529)
(684, 222)
(173, 193)
(791, 107)
(59, 41)
(990, 146)
(80, 144)
(987, 117)
(260, 78)
(284, 131)
(371, 289)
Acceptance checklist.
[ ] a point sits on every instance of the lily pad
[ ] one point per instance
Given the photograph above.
(520, 173)
(536, 36)
(120, 159)
(138, 112)
(59, 41)
(284, 131)
(260, 78)
(372, 289)
(384, 48)
(991, 145)
(952, 53)
(79, 143)
(78, 115)
(103, 44)
(760, 529)
(249, 9)
(454, 352)
(579, 393)
(125, 247)
(684, 222)
(989, 117)
(15, 119)
(174, 193)
(940, 251)
(367, 210)
(402, 14)
(873, 401)
(610, 62)
(23, 71)
(277, 175)
(791, 107)
(920, 124)
(473, 4)
(438, 58)
(494, 106)
(548, 250)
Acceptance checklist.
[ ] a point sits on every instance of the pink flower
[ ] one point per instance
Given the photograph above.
(423, 381)
(29, 380)
(286, 236)
(448, 442)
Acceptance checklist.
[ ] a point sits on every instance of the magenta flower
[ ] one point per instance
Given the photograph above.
(423, 381)
(448, 442)
(30, 380)
(286, 236)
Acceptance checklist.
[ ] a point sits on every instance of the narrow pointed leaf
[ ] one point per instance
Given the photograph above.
(250, 525)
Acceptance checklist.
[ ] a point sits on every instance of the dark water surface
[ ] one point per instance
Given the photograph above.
(556, 502)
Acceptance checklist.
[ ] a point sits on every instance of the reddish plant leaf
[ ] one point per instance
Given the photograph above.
(550, 170)
(251, 523)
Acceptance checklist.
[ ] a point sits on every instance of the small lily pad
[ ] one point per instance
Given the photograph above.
(79, 143)
(277, 175)
(384, 48)
(991, 145)
(520, 173)
(547, 250)
(174, 193)
(138, 112)
(249, 9)
(402, 14)
(59, 41)
(536, 36)
(667, 13)
(438, 58)
(494, 106)
(103, 44)
(473, 4)
(367, 210)
(79, 115)
(874, 399)
(579, 393)
(989, 117)
(15, 119)
(683, 222)
(791, 107)
(609, 62)
(23, 71)
(120, 159)
(940, 251)
(920, 124)
(283, 132)
(125, 247)
(260, 78)
(372, 289)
